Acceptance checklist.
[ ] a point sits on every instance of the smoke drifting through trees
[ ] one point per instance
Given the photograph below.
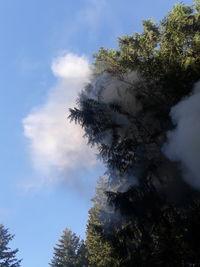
(127, 133)
(183, 143)
(134, 112)
(111, 104)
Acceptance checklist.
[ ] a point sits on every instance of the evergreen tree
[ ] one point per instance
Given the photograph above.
(99, 251)
(82, 260)
(70, 252)
(7, 256)
(125, 113)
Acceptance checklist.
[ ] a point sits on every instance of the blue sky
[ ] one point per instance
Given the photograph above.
(42, 193)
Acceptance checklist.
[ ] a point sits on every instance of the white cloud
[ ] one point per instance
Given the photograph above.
(71, 66)
(55, 143)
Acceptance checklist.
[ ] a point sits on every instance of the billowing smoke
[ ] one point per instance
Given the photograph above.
(55, 143)
(110, 89)
(183, 143)
(110, 107)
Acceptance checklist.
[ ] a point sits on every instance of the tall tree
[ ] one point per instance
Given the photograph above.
(99, 251)
(125, 112)
(7, 256)
(69, 252)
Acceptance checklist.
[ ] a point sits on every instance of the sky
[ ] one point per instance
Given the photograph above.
(47, 171)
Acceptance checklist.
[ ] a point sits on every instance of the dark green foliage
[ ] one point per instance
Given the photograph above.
(70, 252)
(100, 252)
(167, 55)
(7, 256)
(151, 215)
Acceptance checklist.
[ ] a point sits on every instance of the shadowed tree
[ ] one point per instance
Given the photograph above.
(99, 251)
(125, 113)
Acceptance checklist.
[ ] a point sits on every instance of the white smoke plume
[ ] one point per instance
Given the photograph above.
(110, 89)
(55, 143)
(118, 93)
(183, 143)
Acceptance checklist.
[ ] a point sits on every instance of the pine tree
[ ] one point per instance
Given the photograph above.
(69, 252)
(82, 260)
(125, 114)
(99, 251)
(7, 256)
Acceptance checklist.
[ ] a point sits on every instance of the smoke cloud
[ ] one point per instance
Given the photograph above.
(55, 143)
(110, 89)
(116, 96)
(183, 143)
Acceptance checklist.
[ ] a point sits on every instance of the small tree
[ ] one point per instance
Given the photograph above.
(70, 252)
(7, 256)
